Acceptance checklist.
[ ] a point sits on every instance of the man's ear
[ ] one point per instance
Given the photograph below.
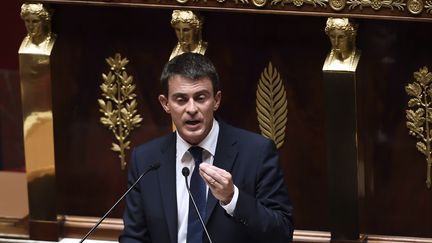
(218, 98)
(164, 103)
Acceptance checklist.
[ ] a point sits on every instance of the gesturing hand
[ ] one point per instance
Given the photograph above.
(219, 182)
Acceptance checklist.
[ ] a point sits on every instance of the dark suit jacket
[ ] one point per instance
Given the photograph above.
(263, 212)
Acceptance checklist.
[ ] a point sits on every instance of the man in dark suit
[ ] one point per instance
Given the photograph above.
(244, 200)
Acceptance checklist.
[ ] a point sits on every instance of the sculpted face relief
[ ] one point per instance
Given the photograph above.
(341, 43)
(33, 25)
(344, 54)
(187, 36)
(37, 22)
(188, 29)
(342, 33)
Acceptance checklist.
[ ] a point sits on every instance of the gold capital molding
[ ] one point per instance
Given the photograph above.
(419, 115)
(271, 105)
(417, 10)
(119, 107)
(414, 7)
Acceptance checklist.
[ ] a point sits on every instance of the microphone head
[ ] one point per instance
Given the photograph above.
(185, 171)
(155, 165)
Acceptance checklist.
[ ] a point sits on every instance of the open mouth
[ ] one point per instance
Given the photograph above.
(192, 122)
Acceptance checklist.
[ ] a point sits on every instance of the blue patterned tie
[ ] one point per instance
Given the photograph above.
(198, 190)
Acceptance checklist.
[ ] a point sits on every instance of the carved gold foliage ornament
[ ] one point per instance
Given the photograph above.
(299, 3)
(428, 7)
(271, 105)
(419, 116)
(413, 6)
(376, 4)
(119, 106)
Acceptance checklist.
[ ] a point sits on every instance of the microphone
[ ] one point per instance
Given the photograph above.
(186, 172)
(153, 166)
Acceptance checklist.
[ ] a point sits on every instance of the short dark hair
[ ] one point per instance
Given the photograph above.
(190, 65)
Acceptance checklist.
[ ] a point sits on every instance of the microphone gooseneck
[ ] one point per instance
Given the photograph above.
(153, 166)
(186, 172)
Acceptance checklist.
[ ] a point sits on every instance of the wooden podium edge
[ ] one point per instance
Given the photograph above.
(78, 226)
(110, 229)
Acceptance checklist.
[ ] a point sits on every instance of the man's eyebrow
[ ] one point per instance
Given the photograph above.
(203, 91)
(178, 94)
(197, 92)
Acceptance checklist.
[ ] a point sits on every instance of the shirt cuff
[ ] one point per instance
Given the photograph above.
(230, 207)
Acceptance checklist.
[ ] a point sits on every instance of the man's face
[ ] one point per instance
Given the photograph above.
(186, 35)
(340, 41)
(33, 24)
(191, 104)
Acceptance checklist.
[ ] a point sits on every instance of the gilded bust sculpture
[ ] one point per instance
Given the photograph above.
(344, 55)
(188, 29)
(37, 20)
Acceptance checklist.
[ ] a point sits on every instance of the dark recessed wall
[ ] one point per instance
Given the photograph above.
(393, 195)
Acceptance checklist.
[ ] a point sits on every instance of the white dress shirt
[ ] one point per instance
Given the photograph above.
(185, 159)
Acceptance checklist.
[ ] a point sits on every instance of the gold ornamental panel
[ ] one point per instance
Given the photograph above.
(382, 9)
(419, 115)
(119, 106)
(271, 105)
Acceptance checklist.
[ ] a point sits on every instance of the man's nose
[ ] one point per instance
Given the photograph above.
(191, 106)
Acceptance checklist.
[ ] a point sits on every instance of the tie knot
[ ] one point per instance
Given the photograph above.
(196, 153)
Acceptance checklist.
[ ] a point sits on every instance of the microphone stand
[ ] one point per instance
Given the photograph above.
(152, 167)
(185, 172)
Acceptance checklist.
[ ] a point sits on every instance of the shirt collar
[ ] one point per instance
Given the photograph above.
(208, 143)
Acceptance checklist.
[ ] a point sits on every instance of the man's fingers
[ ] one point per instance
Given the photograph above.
(219, 181)
(208, 179)
(214, 173)
(213, 170)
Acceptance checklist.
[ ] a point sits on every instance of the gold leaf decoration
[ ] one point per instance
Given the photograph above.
(237, 1)
(428, 7)
(119, 106)
(413, 6)
(419, 116)
(299, 3)
(377, 4)
(271, 105)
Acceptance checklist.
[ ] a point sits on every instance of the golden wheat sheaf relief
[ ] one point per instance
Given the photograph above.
(120, 106)
(271, 105)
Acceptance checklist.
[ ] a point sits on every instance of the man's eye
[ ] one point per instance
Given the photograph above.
(180, 100)
(201, 98)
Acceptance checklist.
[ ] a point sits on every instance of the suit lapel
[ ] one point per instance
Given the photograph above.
(225, 155)
(167, 182)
